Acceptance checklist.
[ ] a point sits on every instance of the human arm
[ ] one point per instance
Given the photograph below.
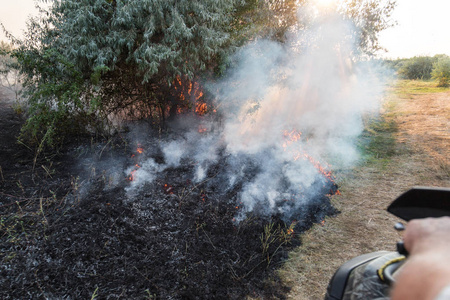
(427, 269)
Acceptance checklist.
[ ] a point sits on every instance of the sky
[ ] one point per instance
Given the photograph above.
(423, 26)
(423, 29)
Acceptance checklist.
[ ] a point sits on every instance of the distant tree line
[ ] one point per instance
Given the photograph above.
(84, 61)
(424, 68)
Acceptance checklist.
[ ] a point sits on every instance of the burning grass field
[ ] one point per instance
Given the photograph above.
(121, 220)
(73, 227)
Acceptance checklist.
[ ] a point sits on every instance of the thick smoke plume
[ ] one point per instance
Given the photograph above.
(289, 111)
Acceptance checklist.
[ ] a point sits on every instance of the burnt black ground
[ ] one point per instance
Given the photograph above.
(66, 232)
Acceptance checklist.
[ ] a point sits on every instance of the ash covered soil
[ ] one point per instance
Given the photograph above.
(71, 229)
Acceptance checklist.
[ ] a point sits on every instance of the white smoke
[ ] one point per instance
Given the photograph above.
(317, 91)
(288, 111)
(310, 85)
(144, 172)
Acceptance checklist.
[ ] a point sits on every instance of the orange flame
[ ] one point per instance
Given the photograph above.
(132, 177)
(328, 174)
(139, 150)
(294, 136)
(201, 108)
(291, 137)
(189, 91)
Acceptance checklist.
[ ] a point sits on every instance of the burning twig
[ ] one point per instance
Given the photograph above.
(139, 151)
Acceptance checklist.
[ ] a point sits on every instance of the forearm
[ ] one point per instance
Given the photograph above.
(423, 276)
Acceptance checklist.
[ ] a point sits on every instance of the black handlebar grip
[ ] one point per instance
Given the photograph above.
(401, 249)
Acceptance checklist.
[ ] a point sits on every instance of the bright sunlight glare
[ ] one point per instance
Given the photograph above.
(325, 3)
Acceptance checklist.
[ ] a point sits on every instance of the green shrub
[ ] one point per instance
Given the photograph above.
(123, 57)
(59, 101)
(441, 71)
(417, 68)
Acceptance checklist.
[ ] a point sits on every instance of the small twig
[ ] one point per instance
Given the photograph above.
(47, 171)
(209, 238)
(23, 144)
(20, 208)
(143, 275)
(1, 173)
(236, 277)
(95, 294)
(42, 210)
(101, 152)
(13, 203)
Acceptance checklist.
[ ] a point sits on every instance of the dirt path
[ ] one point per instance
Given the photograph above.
(421, 157)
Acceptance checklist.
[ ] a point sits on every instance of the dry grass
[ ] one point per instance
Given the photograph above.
(410, 146)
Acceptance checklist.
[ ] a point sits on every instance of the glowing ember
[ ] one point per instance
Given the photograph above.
(203, 197)
(132, 176)
(168, 189)
(202, 129)
(135, 156)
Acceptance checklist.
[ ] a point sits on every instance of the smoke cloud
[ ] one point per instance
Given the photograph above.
(290, 111)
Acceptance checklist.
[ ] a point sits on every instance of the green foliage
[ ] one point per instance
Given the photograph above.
(394, 64)
(441, 71)
(370, 17)
(417, 68)
(85, 60)
(56, 96)
(159, 37)
(423, 67)
(270, 19)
